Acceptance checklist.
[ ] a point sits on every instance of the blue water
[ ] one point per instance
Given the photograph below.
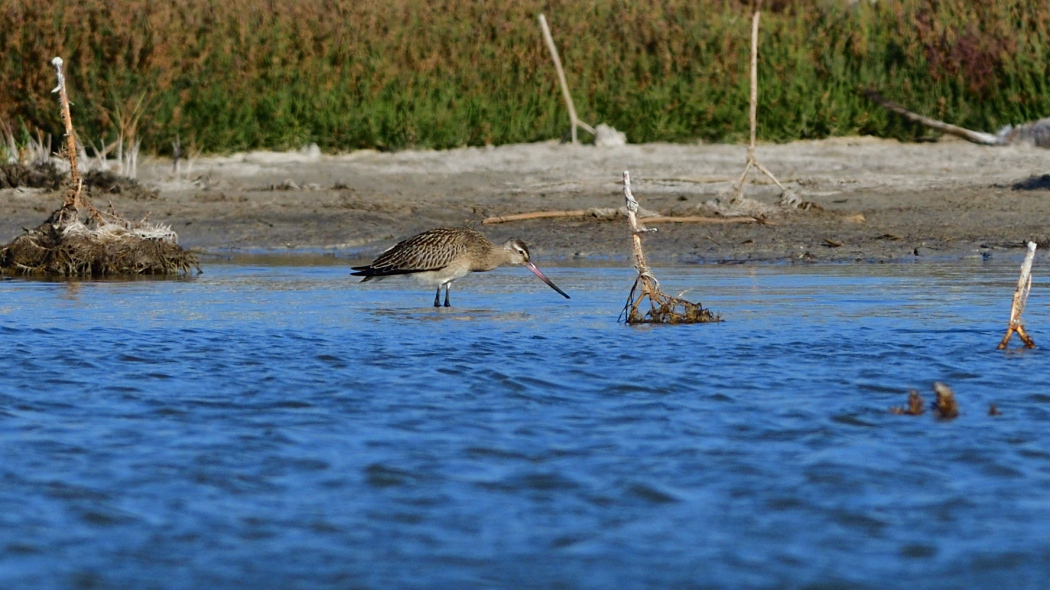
(287, 427)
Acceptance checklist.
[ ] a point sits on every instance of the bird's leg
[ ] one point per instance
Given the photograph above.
(448, 287)
(437, 297)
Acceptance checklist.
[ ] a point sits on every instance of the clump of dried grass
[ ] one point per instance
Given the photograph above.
(41, 175)
(105, 244)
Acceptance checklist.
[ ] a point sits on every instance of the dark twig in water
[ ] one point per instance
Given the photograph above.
(915, 405)
(945, 405)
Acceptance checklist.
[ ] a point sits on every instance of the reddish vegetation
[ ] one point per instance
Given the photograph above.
(397, 73)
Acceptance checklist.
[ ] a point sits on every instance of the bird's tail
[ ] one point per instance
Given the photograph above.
(363, 271)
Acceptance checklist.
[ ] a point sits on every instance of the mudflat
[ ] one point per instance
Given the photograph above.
(876, 200)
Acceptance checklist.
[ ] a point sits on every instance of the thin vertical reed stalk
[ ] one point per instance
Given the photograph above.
(752, 160)
(573, 119)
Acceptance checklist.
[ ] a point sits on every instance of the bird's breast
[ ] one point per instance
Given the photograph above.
(433, 278)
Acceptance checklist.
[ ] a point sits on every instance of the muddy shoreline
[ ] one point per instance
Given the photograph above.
(878, 200)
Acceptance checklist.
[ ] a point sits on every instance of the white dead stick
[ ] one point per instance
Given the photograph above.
(644, 273)
(751, 159)
(576, 122)
(1024, 285)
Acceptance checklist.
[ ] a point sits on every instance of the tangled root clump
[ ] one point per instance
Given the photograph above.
(103, 247)
(664, 309)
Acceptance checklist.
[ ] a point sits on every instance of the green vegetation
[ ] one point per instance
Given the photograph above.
(240, 74)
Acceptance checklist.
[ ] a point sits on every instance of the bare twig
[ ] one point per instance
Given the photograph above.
(128, 115)
(131, 159)
(534, 215)
(915, 405)
(701, 219)
(102, 152)
(1024, 285)
(575, 121)
(38, 149)
(636, 233)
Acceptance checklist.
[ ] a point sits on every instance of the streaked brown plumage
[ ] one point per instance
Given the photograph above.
(439, 256)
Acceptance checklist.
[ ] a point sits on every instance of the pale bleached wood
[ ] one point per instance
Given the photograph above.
(1024, 286)
(573, 119)
(593, 212)
(534, 215)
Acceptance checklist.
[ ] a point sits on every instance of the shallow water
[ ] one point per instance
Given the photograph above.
(287, 427)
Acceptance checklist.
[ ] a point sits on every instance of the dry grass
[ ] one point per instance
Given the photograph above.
(109, 247)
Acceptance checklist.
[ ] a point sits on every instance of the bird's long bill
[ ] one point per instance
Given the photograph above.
(544, 278)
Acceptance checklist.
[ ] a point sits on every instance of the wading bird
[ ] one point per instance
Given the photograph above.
(440, 256)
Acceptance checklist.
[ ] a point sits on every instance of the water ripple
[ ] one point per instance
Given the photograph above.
(257, 426)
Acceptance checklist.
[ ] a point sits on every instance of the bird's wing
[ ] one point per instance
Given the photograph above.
(428, 251)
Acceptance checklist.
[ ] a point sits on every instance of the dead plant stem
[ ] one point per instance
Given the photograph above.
(573, 119)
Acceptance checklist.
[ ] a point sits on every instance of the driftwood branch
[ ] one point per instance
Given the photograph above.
(1024, 285)
(609, 213)
(1036, 133)
(636, 233)
(968, 135)
(573, 119)
(663, 309)
(535, 215)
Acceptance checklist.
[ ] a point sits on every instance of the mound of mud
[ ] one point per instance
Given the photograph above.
(44, 176)
(1033, 183)
(99, 181)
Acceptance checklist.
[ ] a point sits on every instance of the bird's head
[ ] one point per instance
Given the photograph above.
(519, 252)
